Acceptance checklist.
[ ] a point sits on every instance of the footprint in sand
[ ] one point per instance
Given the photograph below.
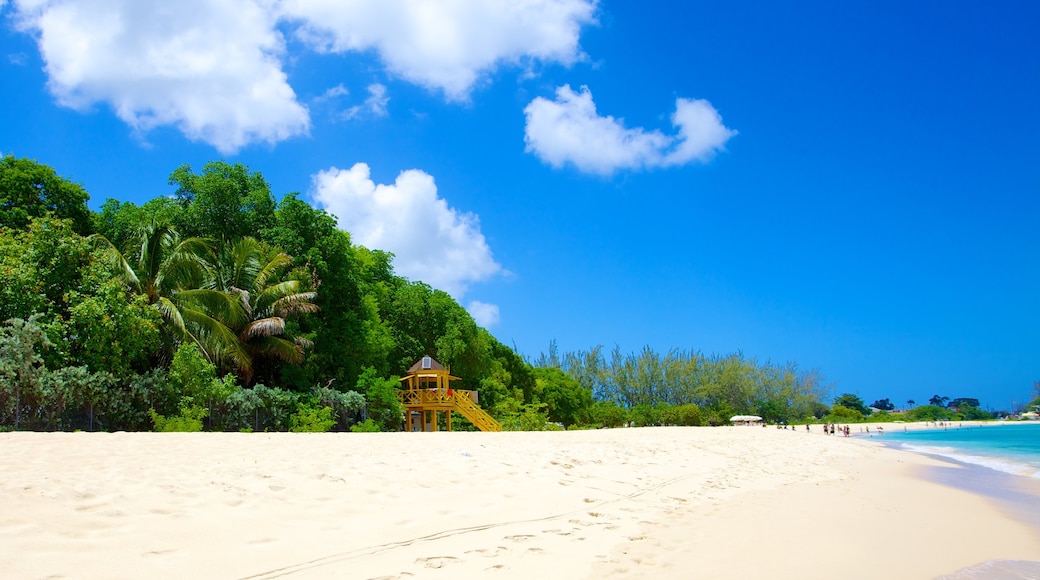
(159, 552)
(437, 561)
(519, 537)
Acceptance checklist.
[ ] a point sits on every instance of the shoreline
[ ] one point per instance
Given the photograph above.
(663, 502)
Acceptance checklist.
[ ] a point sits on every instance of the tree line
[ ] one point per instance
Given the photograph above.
(220, 308)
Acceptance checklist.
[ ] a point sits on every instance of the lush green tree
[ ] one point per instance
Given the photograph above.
(972, 413)
(382, 404)
(225, 201)
(607, 414)
(170, 273)
(20, 369)
(842, 414)
(251, 272)
(688, 415)
(850, 401)
(29, 189)
(963, 401)
(566, 400)
(41, 264)
(938, 401)
(106, 331)
(883, 405)
(929, 413)
(351, 332)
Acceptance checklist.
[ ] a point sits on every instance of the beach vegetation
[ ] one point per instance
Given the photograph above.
(607, 414)
(938, 401)
(851, 401)
(883, 405)
(224, 298)
(311, 418)
(366, 426)
(642, 384)
(524, 417)
(842, 414)
(189, 420)
(930, 413)
(382, 406)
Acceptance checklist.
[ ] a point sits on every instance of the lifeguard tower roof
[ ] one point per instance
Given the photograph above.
(426, 363)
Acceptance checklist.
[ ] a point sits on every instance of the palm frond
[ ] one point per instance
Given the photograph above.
(262, 328)
(221, 306)
(277, 348)
(299, 303)
(116, 262)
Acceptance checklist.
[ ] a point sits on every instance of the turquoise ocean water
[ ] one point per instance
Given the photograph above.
(997, 449)
(1008, 447)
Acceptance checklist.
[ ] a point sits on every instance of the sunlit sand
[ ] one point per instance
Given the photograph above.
(655, 503)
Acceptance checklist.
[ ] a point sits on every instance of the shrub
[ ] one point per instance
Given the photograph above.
(366, 426)
(311, 419)
(607, 414)
(189, 421)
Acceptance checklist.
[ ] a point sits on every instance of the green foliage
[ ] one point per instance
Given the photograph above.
(188, 421)
(383, 405)
(366, 426)
(29, 189)
(606, 414)
(225, 201)
(645, 415)
(565, 399)
(260, 408)
(850, 401)
(971, 413)
(20, 370)
(311, 419)
(884, 417)
(842, 414)
(112, 333)
(929, 413)
(688, 415)
(884, 405)
(938, 401)
(525, 417)
(40, 265)
(195, 377)
(720, 386)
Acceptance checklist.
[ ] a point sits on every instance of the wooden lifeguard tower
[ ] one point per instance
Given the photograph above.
(427, 391)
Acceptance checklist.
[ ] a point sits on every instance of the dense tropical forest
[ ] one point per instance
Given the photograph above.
(220, 308)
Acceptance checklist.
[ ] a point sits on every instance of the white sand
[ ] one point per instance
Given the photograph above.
(745, 502)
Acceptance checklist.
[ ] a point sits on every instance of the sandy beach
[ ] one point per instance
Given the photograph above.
(671, 502)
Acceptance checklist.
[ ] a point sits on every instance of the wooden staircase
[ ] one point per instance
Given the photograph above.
(468, 409)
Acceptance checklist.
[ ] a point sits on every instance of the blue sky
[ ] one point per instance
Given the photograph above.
(850, 186)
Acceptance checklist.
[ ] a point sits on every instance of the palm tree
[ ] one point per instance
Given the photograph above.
(250, 271)
(171, 273)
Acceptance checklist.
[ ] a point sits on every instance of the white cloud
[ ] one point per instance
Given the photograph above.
(569, 130)
(446, 44)
(333, 93)
(214, 68)
(431, 242)
(209, 67)
(484, 314)
(374, 105)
